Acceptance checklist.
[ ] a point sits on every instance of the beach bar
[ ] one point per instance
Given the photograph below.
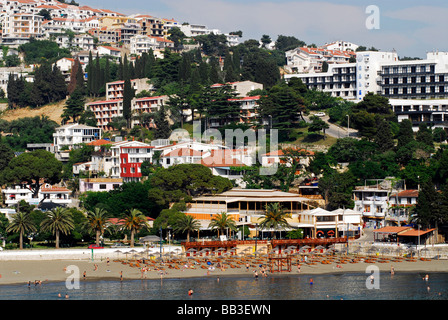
(408, 235)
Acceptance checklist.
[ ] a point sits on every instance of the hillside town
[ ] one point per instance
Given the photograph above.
(355, 136)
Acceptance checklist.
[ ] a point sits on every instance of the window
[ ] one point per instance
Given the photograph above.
(102, 187)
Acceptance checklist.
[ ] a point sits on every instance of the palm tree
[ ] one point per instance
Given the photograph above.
(134, 220)
(221, 222)
(187, 224)
(58, 220)
(274, 217)
(97, 221)
(21, 223)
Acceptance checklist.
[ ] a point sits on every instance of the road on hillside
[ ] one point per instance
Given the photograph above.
(334, 130)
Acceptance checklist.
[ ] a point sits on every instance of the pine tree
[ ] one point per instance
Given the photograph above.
(57, 84)
(229, 72)
(383, 137)
(74, 106)
(204, 73)
(214, 74)
(162, 126)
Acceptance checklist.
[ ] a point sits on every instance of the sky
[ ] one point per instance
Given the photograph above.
(411, 27)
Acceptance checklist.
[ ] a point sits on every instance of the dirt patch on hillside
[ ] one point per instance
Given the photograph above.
(52, 111)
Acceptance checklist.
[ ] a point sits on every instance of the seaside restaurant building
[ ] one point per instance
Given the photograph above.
(248, 206)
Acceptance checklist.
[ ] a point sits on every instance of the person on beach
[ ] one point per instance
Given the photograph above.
(311, 280)
(298, 267)
(392, 270)
(84, 275)
(190, 292)
(107, 260)
(121, 275)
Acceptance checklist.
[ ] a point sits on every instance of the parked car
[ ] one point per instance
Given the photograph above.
(320, 114)
(120, 245)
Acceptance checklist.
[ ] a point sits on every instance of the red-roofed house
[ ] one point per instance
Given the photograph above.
(110, 51)
(221, 163)
(278, 156)
(47, 194)
(181, 155)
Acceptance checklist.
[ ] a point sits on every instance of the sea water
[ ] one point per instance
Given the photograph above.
(342, 286)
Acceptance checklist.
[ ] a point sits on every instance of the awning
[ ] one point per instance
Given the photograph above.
(391, 229)
(415, 233)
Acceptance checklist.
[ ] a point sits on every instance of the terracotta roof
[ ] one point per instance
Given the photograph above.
(220, 158)
(408, 193)
(415, 232)
(392, 229)
(54, 189)
(99, 142)
(110, 48)
(183, 152)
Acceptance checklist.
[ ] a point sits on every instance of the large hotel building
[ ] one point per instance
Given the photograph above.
(417, 89)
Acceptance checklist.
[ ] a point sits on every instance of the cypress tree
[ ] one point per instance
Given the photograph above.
(98, 77)
(128, 95)
(90, 74)
(120, 70)
(107, 76)
(12, 91)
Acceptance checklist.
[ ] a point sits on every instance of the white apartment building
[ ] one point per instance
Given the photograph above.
(309, 60)
(18, 28)
(114, 90)
(144, 43)
(351, 81)
(68, 136)
(127, 158)
(12, 195)
(109, 51)
(105, 111)
(79, 42)
(368, 67)
(75, 25)
(339, 80)
(375, 200)
(192, 30)
(416, 79)
(340, 45)
(432, 112)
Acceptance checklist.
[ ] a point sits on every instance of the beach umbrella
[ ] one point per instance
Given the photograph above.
(426, 250)
(126, 254)
(118, 253)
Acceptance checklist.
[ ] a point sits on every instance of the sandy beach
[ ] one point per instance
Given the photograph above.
(59, 270)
